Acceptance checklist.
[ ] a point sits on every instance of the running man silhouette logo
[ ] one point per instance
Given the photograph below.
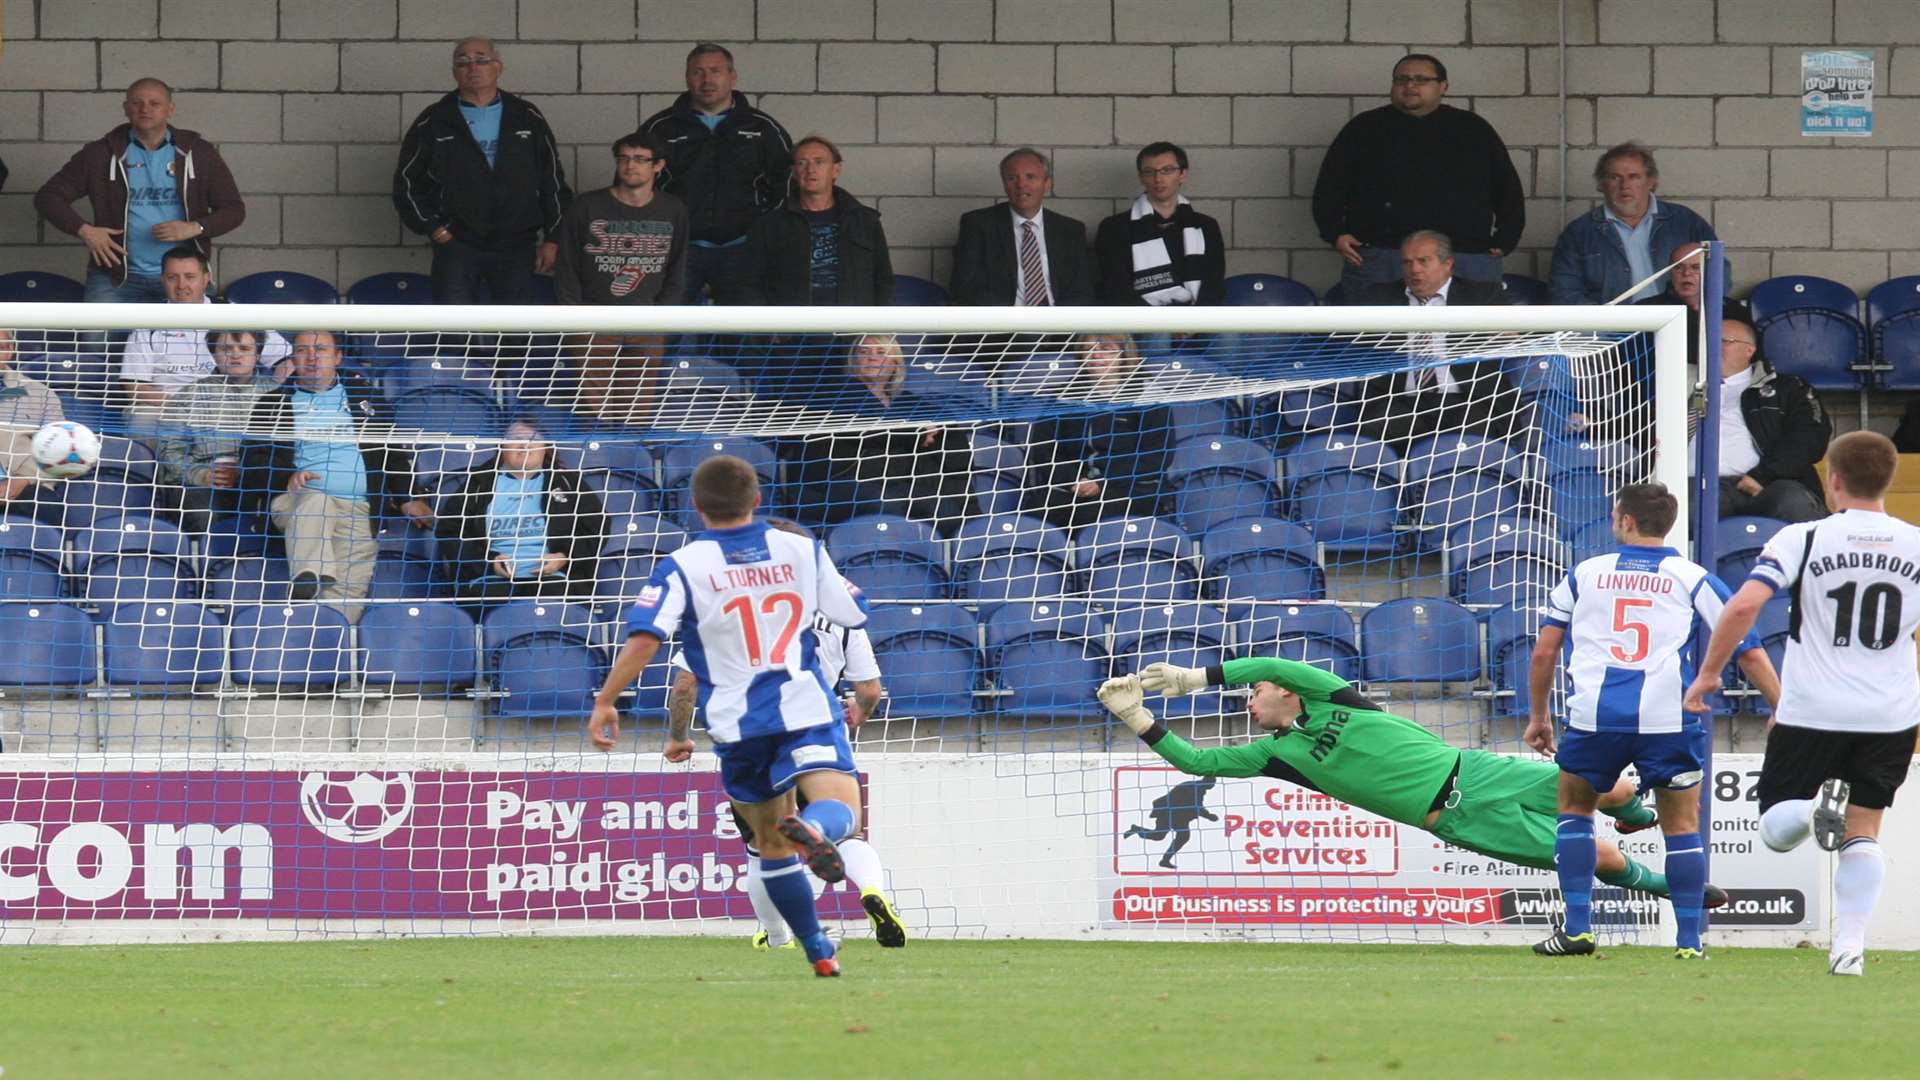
(1174, 813)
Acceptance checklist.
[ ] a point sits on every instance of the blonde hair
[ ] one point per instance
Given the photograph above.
(889, 344)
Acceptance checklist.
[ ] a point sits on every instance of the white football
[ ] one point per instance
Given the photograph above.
(64, 450)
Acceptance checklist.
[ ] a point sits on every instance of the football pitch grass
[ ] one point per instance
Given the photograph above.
(682, 1007)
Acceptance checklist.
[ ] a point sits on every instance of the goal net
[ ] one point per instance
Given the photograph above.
(309, 650)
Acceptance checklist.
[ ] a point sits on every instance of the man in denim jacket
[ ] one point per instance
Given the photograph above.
(1621, 242)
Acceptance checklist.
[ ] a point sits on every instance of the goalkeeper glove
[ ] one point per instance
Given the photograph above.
(1124, 700)
(1173, 681)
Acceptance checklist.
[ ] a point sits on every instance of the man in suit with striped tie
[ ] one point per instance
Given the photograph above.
(1018, 253)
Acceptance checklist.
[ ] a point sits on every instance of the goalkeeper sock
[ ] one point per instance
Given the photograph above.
(1637, 877)
(764, 908)
(1856, 889)
(1574, 856)
(832, 817)
(1687, 871)
(1634, 813)
(786, 883)
(863, 864)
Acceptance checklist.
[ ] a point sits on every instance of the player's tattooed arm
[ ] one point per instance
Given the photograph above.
(680, 704)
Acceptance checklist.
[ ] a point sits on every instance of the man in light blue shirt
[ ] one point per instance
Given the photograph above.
(324, 482)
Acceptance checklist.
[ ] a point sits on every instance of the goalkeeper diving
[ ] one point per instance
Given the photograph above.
(1328, 738)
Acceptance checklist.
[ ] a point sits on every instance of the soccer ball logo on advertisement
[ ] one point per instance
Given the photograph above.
(357, 811)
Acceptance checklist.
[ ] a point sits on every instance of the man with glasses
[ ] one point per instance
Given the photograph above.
(1161, 251)
(1772, 432)
(1417, 164)
(623, 245)
(480, 176)
(728, 160)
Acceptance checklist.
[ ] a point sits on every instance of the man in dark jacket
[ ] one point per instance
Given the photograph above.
(1083, 466)
(480, 176)
(1474, 398)
(523, 525)
(324, 478)
(1016, 253)
(1161, 252)
(1772, 432)
(152, 187)
(726, 160)
(822, 246)
(1416, 163)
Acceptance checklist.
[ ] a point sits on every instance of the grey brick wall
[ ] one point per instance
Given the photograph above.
(308, 100)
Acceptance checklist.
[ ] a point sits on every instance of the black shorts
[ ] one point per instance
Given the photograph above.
(1799, 760)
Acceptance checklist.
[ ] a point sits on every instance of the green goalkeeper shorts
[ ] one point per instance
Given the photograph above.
(1506, 807)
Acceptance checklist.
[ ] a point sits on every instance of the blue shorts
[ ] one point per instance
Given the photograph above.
(757, 769)
(1675, 760)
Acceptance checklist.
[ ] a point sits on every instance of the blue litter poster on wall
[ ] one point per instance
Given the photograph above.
(1836, 93)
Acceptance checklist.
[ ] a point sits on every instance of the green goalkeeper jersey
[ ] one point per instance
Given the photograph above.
(1341, 744)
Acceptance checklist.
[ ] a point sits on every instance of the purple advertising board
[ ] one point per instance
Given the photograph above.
(344, 844)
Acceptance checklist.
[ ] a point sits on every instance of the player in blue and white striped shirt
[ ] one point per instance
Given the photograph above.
(742, 597)
(1628, 621)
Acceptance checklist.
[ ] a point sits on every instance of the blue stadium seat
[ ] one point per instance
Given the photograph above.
(627, 559)
(1893, 322)
(281, 287)
(623, 497)
(681, 459)
(620, 456)
(1127, 561)
(1472, 543)
(1455, 452)
(163, 644)
(1511, 632)
(539, 654)
(1737, 545)
(930, 656)
(119, 579)
(30, 555)
(1219, 478)
(1810, 327)
(1420, 639)
(39, 286)
(406, 579)
(1593, 538)
(666, 534)
(1511, 575)
(249, 580)
(110, 490)
(999, 473)
(288, 648)
(1198, 419)
(47, 645)
(396, 287)
(455, 410)
(1266, 290)
(996, 559)
(910, 291)
(403, 375)
(1262, 559)
(1447, 500)
(889, 557)
(407, 646)
(1049, 659)
(1327, 452)
(1188, 635)
(1279, 419)
(1319, 634)
(1580, 500)
(1523, 290)
(128, 534)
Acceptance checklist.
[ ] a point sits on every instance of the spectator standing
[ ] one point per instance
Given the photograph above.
(1417, 163)
(480, 176)
(26, 405)
(523, 525)
(151, 187)
(201, 429)
(1772, 433)
(822, 247)
(623, 245)
(324, 475)
(1161, 252)
(1015, 252)
(158, 363)
(1611, 248)
(727, 160)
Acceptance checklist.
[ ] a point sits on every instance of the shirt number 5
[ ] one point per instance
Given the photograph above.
(1622, 624)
